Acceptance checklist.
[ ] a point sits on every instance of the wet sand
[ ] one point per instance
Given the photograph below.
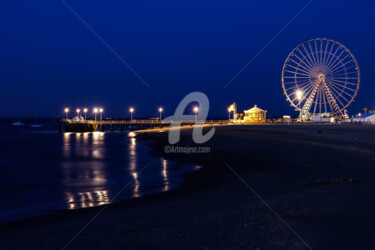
(262, 186)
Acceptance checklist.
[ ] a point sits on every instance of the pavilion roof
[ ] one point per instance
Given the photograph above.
(254, 109)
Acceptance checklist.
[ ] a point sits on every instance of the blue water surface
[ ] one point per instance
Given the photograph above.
(43, 171)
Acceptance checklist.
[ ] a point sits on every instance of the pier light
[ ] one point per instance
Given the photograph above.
(196, 110)
(101, 113)
(66, 110)
(160, 111)
(95, 112)
(78, 112)
(131, 110)
(85, 111)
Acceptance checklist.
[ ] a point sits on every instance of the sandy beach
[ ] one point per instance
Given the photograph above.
(260, 187)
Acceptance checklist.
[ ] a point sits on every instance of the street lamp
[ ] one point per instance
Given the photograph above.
(131, 114)
(95, 112)
(196, 109)
(66, 110)
(85, 111)
(101, 113)
(78, 112)
(160, 111)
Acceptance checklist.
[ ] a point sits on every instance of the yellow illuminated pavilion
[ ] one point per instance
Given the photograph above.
(255, 115)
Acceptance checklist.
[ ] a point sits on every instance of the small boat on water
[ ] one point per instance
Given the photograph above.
(17, 123)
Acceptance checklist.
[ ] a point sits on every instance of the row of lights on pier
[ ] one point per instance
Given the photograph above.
(85, 110)
(131, 110)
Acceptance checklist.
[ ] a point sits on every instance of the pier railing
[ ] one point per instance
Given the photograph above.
(141, 121)
(70, 125)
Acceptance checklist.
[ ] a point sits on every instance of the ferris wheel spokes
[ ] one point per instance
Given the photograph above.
(321, 76)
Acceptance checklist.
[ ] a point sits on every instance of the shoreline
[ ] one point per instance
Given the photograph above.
(326, 152)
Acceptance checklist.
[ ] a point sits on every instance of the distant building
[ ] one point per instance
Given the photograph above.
(255, 115)
(365, 118)
(78, 119)
(233, 108)
(287, 118)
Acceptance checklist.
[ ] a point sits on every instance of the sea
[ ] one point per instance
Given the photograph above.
(43, 171)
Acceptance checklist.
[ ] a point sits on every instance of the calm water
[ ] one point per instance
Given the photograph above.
(42, 171)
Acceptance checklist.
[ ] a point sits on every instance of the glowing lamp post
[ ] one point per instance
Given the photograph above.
(160, 111)
(66, 110)
(101, 113)
(85, 111)
(95, 112)
(196, 110)
(78, 112)
(131, 110)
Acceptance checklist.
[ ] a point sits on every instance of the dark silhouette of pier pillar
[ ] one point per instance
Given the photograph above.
(142, 126)
(122, 127)
(131, 127)
(112, 128)
(102, 127)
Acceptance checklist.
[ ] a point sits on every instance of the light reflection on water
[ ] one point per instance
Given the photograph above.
(90, 179)
(51, 171)
(136, 185)
(165, 175)
(88, 199)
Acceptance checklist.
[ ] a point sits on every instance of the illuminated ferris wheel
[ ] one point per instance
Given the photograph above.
(319, 77)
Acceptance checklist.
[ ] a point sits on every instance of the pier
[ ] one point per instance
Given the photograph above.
(70, 125)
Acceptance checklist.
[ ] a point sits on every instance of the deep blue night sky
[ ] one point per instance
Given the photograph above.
(50, 59)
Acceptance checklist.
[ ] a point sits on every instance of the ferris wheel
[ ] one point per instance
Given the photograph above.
(321, 76)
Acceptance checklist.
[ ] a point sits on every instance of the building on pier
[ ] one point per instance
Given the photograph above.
(78, 119)
(255, 115)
